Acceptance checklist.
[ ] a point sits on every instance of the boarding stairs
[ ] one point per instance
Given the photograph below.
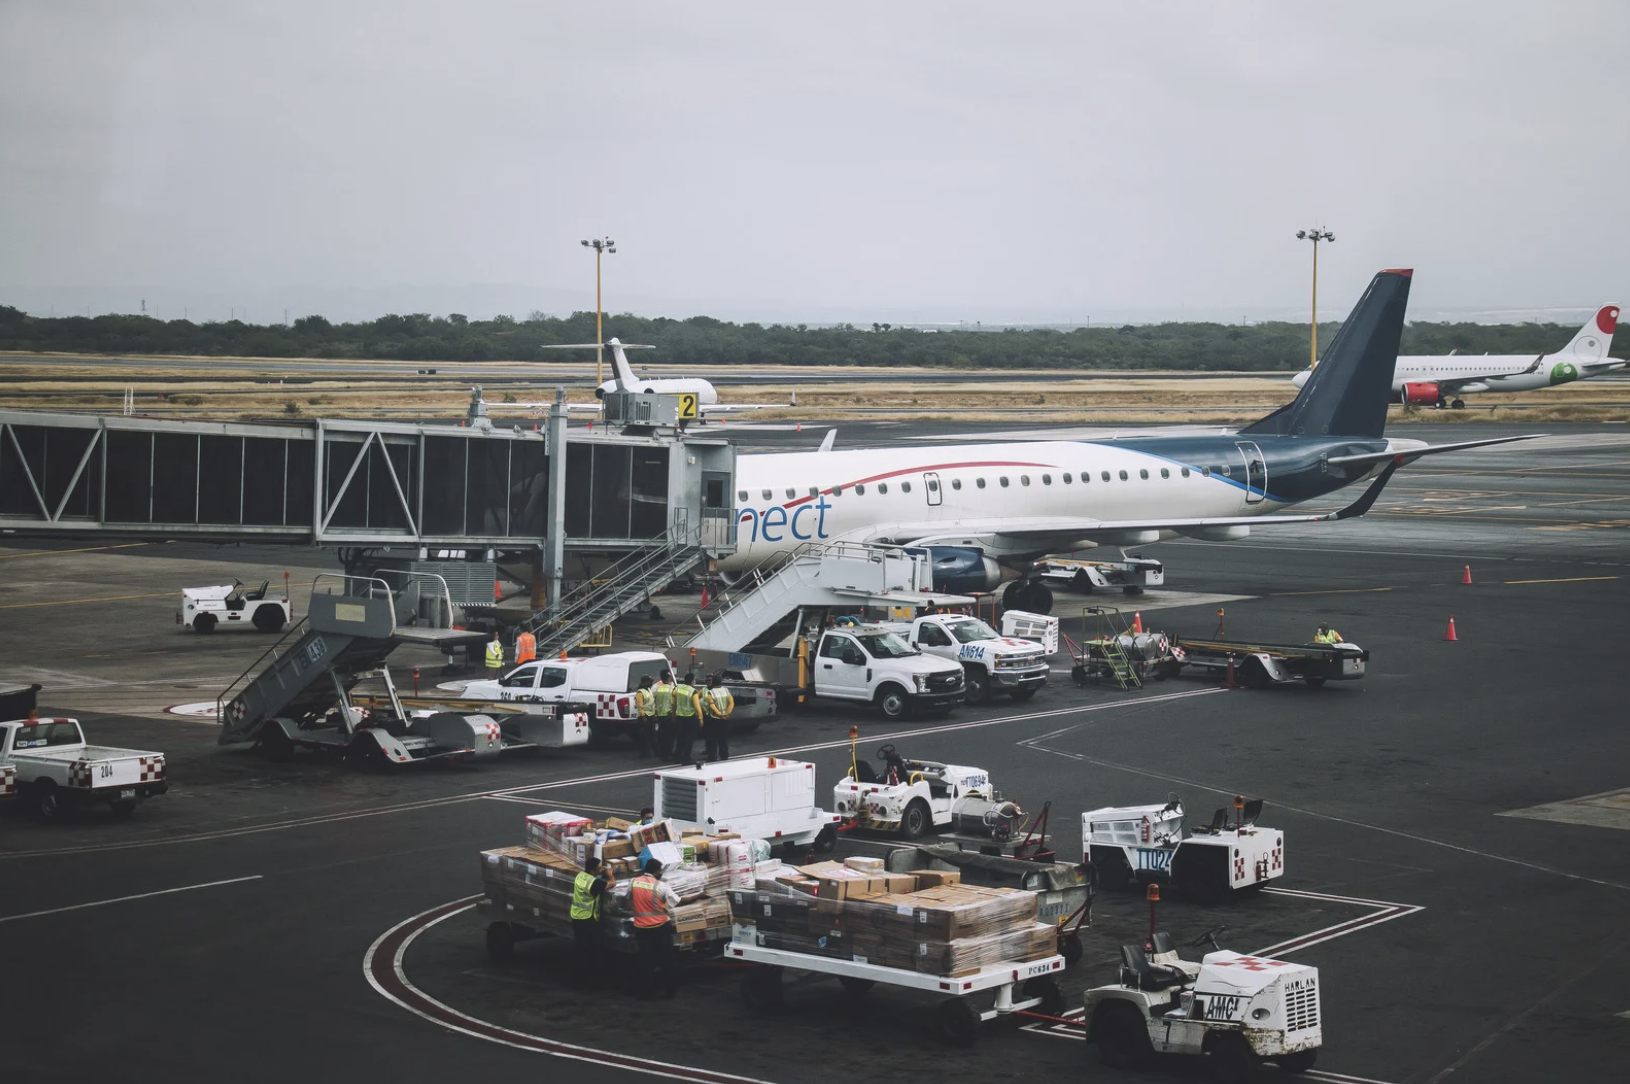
(824, 574)
(352, 624)
(624, 587)
(1111, 627)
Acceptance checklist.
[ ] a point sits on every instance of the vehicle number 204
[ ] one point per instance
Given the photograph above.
(106, 770)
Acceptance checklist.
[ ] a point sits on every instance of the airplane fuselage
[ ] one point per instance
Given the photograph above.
(786, 500)
(705, 392)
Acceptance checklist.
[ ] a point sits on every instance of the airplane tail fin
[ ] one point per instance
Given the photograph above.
(1594, 339)
(1347, 394)
(623, 372)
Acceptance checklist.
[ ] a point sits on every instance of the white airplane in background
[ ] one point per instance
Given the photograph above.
(706, 400)
(982, 509)
(1432, 380)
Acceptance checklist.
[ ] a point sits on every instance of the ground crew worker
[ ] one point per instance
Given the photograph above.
(495, 653)
(685, 720)
(718, 702)
(652, 903)
(526, 647)
(1326, 635)
(647, 815)
(645, 706)
(589, 892)
(663, 693)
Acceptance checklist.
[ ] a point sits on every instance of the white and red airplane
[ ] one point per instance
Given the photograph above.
(980, 508)
(1441, 381)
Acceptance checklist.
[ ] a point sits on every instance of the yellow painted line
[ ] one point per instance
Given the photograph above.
(87, 549)
(1339, 591)
(1569, 579)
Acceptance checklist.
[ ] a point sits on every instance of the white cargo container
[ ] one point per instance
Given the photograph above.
(758, 798)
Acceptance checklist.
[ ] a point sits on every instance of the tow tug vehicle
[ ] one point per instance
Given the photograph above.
(1147, 844)
(203, 609)
(1235, 1011)
(910, 797)
(1132, 573)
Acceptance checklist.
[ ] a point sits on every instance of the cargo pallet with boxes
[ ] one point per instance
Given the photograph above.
(922, 930)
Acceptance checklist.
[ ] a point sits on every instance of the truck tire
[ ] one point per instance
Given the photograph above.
(1123, 1041)
(122, 810)
(958, 1022)
(1046, 988)
(1081, 582)
(856, 986)
(274, 744)
(268, 618)
(1314, 682)
(1231, 1059)
(1111, 872)
(1299, 1062)
(1253, 675)
(1070, 947)
(204, 623)
(827, 840)
(48, 802)
(1026, 692)
(500, 941)
(893, 702)
(976, 685)
(916, 820)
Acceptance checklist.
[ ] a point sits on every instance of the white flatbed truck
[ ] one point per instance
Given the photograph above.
(757, 798)
(1019, 987)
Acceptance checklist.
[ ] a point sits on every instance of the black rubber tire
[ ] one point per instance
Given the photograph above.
(1253, 675)
(269, 619)
(894, 702)
(1231, 1059)
(1040, 599)
(1123, 1041)
(1299, 1062)
(1458, 404)
(1015, 595)
(761, 991)
(1046, 988)
(203, 623)
(958, 1022)
(975, 685)
(500, 941)
(1026, 693)
(827, 841)
(916, 820)
(1078, 674)
(854, 985)
(365, 756)
(122, 810)
(1314, 682)
(274, 744)
(1070, 947)
(48, 803)
(1082, 583)
(1112, 872)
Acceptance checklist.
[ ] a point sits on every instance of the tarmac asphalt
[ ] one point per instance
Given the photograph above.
(224, 931)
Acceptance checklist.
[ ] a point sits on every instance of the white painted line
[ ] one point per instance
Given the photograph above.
(126, 899)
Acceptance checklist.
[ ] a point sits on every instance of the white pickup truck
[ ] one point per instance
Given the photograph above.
(57, 772)
(991, 662)
(873, 663)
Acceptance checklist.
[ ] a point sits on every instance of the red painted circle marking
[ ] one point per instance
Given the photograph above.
(1608, 319)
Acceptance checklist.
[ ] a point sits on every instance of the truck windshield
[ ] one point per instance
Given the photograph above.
(966, 632)
(885, 645)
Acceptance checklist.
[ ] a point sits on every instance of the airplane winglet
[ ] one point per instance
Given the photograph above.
(828, 440)
(1367, 500)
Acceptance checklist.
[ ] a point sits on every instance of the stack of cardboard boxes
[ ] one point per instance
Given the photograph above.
(927, 921)
(532, 884)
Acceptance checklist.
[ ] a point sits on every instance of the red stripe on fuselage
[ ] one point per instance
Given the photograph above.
(920, 470)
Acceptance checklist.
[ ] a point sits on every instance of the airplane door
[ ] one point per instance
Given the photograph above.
(931, 487)
(1256, 471)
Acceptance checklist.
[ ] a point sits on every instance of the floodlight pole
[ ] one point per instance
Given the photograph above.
(1316, 235)
(599, 244)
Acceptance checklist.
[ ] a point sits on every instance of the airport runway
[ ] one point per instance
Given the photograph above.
(1431, 810)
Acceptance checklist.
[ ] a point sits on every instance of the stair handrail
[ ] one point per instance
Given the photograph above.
(679, 542)
(226, 696)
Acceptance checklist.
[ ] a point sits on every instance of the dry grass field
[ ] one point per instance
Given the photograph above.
(392, 389)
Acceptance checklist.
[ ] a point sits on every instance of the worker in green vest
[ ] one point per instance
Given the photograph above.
(685, 719)
(495, 653)
(663, 695)
(1326, 635)
(590, 890)
(717, 704)
(645, 710)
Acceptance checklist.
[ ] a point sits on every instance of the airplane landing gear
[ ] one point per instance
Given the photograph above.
(1458, 404)
(1031, 596)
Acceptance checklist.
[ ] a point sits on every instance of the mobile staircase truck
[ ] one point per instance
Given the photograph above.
(298, 695)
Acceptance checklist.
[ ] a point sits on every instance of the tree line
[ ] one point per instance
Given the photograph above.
(700, 341)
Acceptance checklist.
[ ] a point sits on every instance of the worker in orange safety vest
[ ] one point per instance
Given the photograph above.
(526, 647)
(652, 903)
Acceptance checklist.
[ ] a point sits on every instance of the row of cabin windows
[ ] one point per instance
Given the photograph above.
(1067, 478)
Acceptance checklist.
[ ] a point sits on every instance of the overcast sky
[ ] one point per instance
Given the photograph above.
(913, 161)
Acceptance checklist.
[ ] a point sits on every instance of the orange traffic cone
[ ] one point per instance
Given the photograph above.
(704, 596)
(1229, 682)
(1450, 635)
(799, 428)
(497, 592)
(1137, 622)
(1466, 576)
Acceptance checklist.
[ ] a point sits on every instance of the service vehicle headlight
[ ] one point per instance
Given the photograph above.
(922, 682)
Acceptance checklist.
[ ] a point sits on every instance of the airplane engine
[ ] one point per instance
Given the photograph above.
(1420, 394)
(959, 570)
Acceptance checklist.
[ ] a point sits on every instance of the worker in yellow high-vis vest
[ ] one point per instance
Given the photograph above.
(590, 891)
(685, 720)
(645, 711)
(662, 692)
(717, 704)
(495, 654)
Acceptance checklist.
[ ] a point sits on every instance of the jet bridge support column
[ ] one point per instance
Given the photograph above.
(552, 554)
